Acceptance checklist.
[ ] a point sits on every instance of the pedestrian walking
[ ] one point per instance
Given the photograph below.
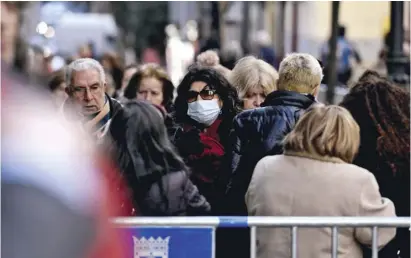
(205, 107)
(315, 177)
(382, 111)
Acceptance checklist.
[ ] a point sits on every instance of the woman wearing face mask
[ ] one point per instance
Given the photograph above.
(205, 107)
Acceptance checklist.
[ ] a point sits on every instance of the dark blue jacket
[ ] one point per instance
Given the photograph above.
(256, 134)
(268, 55)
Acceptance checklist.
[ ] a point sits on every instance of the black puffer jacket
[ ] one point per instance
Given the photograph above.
(256, 134)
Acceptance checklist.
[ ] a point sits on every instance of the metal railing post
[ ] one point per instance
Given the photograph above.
(213, 247)
(281, 222)
(294, 242)
(374, 242)
(253, 242)
(334, 242)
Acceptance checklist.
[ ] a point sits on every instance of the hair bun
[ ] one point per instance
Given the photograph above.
(208, 58)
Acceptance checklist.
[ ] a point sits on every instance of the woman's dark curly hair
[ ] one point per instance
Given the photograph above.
(382, 109)
(148, 71)
(227, 93)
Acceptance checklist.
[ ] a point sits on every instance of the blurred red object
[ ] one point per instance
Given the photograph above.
(111, 241)
(48, 149)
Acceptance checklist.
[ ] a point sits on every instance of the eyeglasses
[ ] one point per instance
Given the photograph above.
(204, 94)
(81, 91)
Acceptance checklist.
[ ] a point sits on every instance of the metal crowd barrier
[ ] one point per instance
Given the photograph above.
(253, 222)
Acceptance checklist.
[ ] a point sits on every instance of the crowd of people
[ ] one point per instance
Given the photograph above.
(249, 140)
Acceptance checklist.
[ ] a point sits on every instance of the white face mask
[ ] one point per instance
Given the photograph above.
(204, 111)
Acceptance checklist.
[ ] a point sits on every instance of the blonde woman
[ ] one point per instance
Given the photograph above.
(315, 177)
(254, 80)
(259, 132)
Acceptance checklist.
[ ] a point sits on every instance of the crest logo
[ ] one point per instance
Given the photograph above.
(151, 247)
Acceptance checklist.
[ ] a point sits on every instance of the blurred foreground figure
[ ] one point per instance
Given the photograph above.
(54, 198)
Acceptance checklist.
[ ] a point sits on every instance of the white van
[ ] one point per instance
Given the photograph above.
(74, 30)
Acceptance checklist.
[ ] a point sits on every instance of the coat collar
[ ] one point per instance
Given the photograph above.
(66, 109)
(288, 98)
(314, 156)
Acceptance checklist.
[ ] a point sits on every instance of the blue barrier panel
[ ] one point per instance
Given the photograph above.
(171, 242)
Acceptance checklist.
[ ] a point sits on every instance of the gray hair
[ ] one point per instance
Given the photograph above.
(300, 72)
(82, 64)
(250, 73)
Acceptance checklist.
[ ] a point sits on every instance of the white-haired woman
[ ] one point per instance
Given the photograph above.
(254, 80)
(315, 177)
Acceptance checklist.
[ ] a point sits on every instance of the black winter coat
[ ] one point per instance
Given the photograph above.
(256, 134)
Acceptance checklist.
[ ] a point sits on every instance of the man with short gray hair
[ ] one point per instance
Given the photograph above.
(88, 103)
(259, 132)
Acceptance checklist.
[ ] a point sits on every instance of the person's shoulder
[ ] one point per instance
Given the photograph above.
(271, 159)
(115, 105)
(269, 164)
(176, 178)
(257, 114)
(354, 173)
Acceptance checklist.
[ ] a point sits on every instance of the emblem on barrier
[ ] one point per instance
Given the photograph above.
(151, 247)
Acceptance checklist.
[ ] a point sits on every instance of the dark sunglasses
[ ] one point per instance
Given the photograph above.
(205, 94)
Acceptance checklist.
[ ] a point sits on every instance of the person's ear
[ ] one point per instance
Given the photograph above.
(316, 91)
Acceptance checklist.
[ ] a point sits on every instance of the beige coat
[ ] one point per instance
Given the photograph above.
(297, 184)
